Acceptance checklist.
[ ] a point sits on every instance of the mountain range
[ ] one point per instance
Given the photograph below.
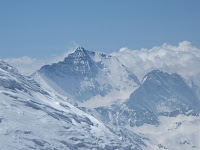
(112, 108)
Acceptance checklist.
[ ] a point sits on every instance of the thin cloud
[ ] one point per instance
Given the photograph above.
(27, 65)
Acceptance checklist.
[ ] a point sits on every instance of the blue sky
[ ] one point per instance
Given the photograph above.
(41, 28)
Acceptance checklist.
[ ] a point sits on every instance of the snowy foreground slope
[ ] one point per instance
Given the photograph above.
(34, 118)
(163, 109)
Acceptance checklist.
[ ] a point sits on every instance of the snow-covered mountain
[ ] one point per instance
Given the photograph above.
(89, 76)
(104, 88)
(162, 92)
(162, 107)
(161, 112)
(32, 117)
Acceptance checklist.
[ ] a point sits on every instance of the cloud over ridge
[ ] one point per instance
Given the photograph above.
(27, 65)
(183, 59)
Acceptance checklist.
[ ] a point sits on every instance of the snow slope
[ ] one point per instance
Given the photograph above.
(32, 117)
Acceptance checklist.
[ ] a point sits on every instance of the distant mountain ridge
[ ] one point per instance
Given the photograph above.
(160, 94)
(86, 74)
(165, 90)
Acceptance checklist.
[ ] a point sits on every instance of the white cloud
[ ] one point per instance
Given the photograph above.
(183, 59)
(27, 65)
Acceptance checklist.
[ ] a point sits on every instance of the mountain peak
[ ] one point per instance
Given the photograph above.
(79, 48)
(155, 75)
(155, 72)
(79, 52)
(161, 76)
(163, 90)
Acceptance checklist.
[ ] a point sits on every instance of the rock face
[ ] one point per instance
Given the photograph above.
(32, 117)
(162, 92)
(85, 74)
